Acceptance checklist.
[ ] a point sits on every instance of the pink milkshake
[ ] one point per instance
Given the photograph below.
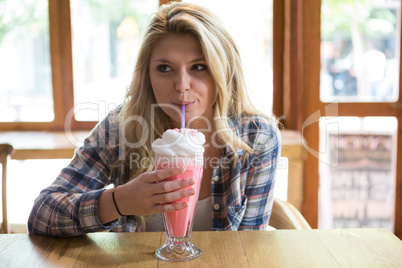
(179, 223)
(183, 148)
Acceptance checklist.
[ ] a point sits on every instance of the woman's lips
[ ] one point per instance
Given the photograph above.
(186, 104)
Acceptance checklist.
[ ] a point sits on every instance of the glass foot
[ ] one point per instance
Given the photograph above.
(178, 249)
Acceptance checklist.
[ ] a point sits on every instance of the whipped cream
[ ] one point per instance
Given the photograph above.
(179, 142)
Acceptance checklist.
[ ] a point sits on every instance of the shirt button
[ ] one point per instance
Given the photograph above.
(216, 206)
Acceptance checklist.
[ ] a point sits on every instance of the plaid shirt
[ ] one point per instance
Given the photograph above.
(241, 190)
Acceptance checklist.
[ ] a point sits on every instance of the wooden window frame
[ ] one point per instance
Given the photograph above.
(297, 40)
(62, 74)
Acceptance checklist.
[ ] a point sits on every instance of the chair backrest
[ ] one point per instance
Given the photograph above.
(5, 151)
(284, 215)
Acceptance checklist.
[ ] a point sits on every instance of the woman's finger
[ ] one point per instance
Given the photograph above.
(173, 185)
(172, 196)
(164, 208)
(162, 174)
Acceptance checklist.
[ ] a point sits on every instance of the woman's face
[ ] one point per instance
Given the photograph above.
(179, 76)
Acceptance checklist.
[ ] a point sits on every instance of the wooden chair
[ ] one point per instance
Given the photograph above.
(5, 151)
(285, 216)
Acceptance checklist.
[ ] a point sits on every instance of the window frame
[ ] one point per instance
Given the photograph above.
(297, 28)
(61, 59)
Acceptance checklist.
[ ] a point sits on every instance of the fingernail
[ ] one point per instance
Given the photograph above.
(191, 191)
(180, 169)
(191, 181)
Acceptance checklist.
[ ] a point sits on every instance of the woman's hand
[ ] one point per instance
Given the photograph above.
(147, 194)
(151, 193)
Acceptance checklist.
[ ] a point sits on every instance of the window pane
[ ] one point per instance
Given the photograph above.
(357, 172)
(106, 37)
(251, 27)
(360, 50)
(25, 71)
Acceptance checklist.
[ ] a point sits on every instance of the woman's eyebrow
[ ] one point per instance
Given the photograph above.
(168, 61)
(163, 60)
(198, 59)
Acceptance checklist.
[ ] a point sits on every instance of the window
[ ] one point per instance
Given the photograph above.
(25, 72)
(105, 42)
(357, 172)
(92, 50)
(310, 98)
(359, 51)
(38, 84)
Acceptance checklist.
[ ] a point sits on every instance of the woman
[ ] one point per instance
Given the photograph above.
(187, 58)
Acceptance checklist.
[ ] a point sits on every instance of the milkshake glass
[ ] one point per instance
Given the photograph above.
(178, 224)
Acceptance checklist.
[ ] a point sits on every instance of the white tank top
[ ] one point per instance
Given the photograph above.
(202, 219)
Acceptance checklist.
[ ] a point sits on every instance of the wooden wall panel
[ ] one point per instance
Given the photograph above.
(311, 71)
(278, 64)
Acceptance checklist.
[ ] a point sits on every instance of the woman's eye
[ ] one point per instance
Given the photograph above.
(164, 68)
(199, 67)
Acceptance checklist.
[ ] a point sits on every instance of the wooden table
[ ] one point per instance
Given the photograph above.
(282, 248)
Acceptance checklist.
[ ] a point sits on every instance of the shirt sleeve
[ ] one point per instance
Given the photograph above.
(69, 206)
(261, 166)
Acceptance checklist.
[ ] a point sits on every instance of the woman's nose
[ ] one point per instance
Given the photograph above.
(182, 81)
